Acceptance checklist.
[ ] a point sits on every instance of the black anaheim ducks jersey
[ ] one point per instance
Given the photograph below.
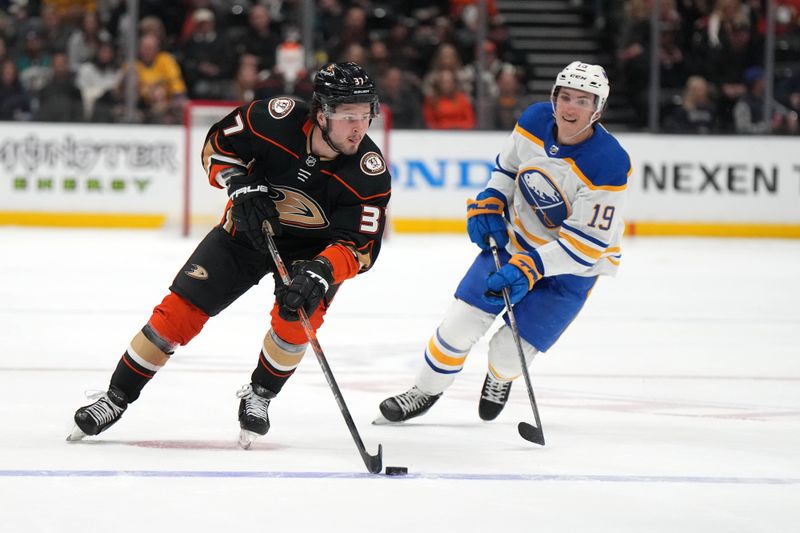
(320, 201)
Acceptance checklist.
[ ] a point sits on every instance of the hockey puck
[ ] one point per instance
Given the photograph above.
(396, 470)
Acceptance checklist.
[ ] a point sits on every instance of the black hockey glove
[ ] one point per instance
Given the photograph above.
(310, 281)
(252, 208)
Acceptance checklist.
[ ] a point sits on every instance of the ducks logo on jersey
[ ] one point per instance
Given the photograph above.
(544, 197)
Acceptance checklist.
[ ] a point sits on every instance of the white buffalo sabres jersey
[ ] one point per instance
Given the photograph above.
(564, 201)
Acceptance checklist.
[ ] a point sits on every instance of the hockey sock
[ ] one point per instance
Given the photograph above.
(277, 362)
(503, 355)
(447, 349)
(140, 362)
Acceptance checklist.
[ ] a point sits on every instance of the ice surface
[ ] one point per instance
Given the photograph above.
(671, 405)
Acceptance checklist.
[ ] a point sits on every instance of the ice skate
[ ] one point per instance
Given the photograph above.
(409, 404)
(253, 417)
(494, 396)
(98, 416)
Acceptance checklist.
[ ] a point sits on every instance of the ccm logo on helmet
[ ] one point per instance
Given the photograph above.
(280, 107)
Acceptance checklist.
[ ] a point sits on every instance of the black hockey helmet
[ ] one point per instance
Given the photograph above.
(343, 83)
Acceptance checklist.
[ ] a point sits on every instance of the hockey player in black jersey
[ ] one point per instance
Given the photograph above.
(313, 179)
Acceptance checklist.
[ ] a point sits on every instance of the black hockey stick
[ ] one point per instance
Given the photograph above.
(374, 463)
(526, 431)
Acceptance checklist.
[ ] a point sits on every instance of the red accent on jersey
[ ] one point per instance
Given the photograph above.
(344, 263)
(387, 193)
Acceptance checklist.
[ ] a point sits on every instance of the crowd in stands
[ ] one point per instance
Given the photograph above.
(64, 60)
(711, 63)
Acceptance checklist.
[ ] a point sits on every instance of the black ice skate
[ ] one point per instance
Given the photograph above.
(253, 418)
(410, 404)
(98, 416)
(494, 396)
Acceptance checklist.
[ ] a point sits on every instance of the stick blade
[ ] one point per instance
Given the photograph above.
(531, 433)
(374, 463)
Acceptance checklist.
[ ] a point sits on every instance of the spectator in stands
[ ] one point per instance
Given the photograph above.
(70, 10)
(748, 113)
(492, 69)
(404, 54)
(243, 87)
(457, 6)
(728, 64)
(205, 58)
(726, 15)
(159, 70)
(259, 39)
(353, 30)
(151, 25)
(511, 100)
(34, 64)
(398, 91)
(380, 59)
(161, 108)
(190, 22)
(84, 42)
(633, 57)
(54, 32)
(448, 107)
(793, 92)
(329, 20)
(445, 58)
(60, 100)
(97, 79)
(671, 57)
(14, 102)
(355, 53)
(697, 112)
(289, 58)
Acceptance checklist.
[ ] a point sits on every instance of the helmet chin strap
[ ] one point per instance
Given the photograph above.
(327, 138)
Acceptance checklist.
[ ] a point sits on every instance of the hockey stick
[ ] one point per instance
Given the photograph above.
(526, 431)
(374, 463)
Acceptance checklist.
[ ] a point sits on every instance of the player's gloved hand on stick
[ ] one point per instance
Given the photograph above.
(310, 281)
(518, 275)
(485, 217)
(253, 211)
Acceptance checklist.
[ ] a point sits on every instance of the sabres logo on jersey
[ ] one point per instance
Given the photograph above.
(544, 197)
(280, 107)
(372, 164)
(298, 209)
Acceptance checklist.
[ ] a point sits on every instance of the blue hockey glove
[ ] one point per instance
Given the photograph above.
(518, 275)
(485, 217)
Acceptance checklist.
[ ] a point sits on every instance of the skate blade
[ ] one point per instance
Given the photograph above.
(76, 435)
(383, 421)
(246, 438)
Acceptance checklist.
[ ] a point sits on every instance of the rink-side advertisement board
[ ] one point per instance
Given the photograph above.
(88, 175)
(132, 176)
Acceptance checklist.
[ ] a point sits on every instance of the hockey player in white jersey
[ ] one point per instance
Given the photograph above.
(554, 207)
